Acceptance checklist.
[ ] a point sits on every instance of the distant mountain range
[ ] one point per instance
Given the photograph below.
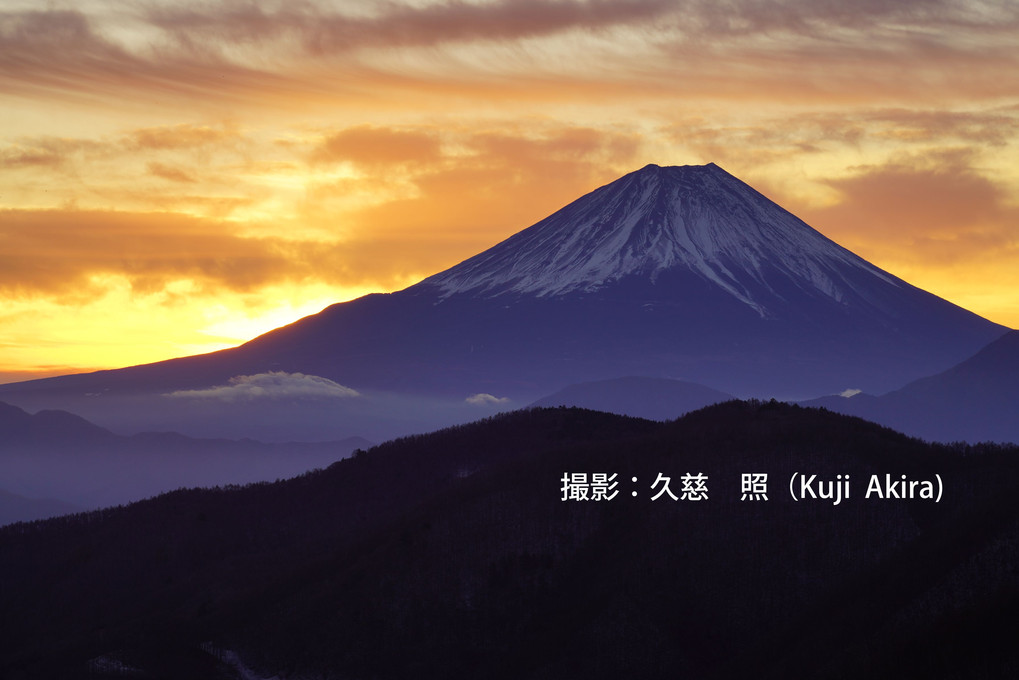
(454, 555)
(75, 464)
(681, 273)
(977, 400)
(17, 508)
(651, 398)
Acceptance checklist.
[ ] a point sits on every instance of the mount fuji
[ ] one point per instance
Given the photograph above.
(667, 222)
(684, 273)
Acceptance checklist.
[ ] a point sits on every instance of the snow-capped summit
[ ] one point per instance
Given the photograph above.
(696, 219)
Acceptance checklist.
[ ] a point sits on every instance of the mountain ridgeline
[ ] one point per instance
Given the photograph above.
(977, 400)
(454, 555)
(681, 273)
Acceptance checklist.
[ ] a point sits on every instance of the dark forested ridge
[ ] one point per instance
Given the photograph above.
(453, 555)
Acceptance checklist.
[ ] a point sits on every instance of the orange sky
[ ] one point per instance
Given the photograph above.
(177, 177)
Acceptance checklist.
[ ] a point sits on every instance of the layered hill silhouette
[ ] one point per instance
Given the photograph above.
(641, 397)
(682, 273)
(69, 463)
(17, 508)
(977, 400)
(454, 555)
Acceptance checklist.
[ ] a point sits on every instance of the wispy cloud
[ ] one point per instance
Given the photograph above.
(283, 54)
(170, 173)
(181, 136)
(45, 152)
(62, 53)
(322, 31)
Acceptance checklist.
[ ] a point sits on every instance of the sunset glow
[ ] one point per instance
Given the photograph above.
(178, 177)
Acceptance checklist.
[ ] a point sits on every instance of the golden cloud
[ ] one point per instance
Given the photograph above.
(57, 251)
(46, 152)
(503, 182)
(460, 203)
(182, 136)
(935, 208)
(375, 146)
(936, 221)
(170, 173)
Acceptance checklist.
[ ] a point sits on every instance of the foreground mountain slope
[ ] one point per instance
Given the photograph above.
(453, 555)
(672, 272)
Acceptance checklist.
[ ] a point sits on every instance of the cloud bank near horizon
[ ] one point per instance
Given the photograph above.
(272, 385)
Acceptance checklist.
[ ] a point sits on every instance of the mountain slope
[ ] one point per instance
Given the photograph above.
(977, 400)
(453, 555)
(683, 273)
